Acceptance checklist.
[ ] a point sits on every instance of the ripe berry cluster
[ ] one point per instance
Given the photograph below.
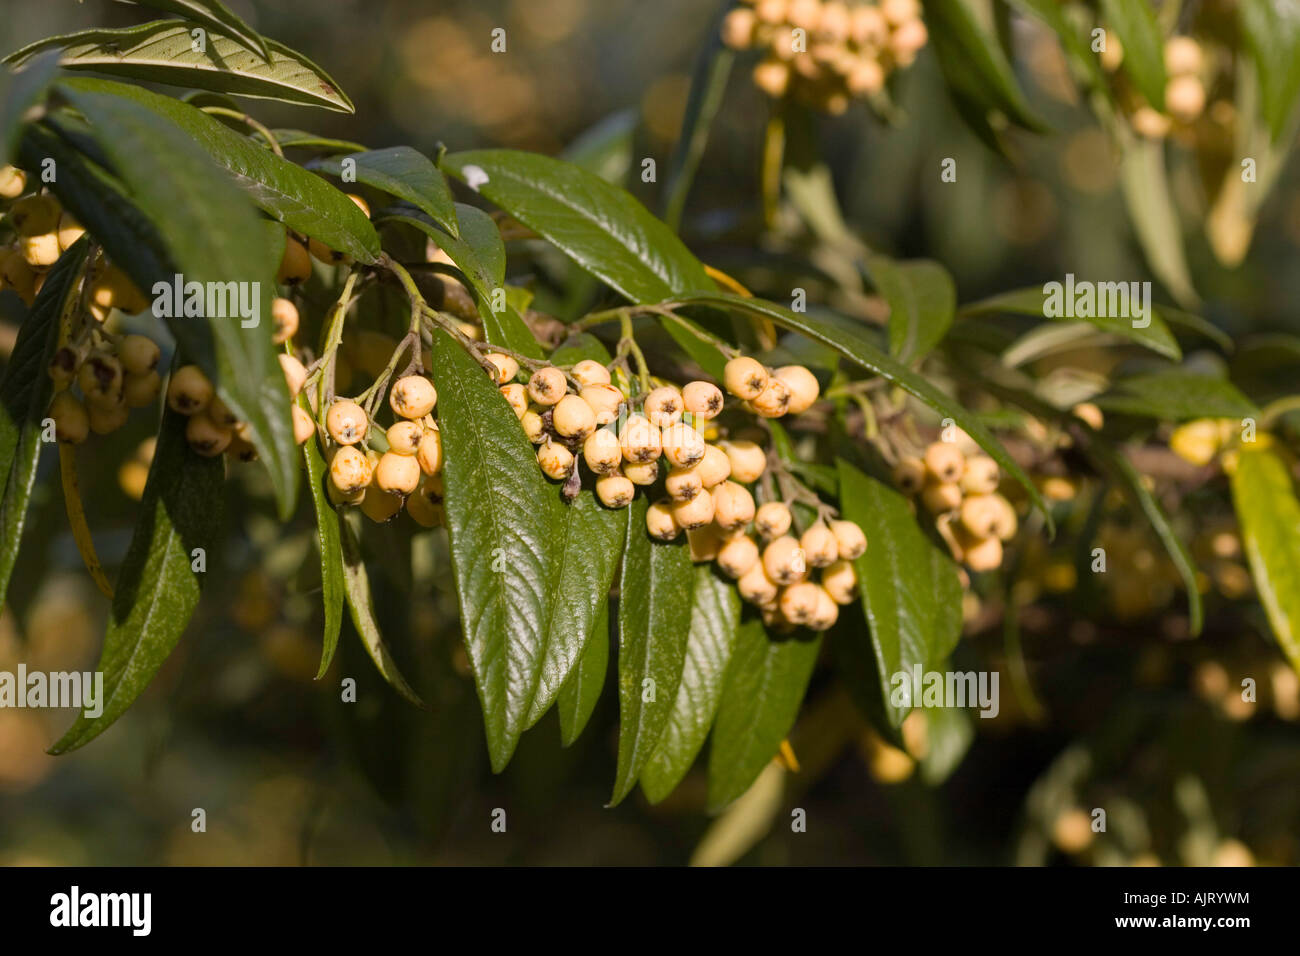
(1185, 96)
(42, 232)
(958, 484)
(826, 51)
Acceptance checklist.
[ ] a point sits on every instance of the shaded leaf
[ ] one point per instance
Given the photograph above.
(214, 15)
(922, 300)
(1272, 34)
(23, 93)
(1176, 395)
(578, 696)
(403, 173)
(1144, 50)
(329, 543)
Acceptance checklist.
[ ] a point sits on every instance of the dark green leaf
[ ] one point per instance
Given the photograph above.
(922, 300)
(1272, 34)
(158, 587)
(503, 519)
(1144, 50)
(765, 684)
(23, 93)
(331, 552)
(212, 234)
(1176, 395)
(215, 16)
(403, 173)
(1145, 183)
(164, 52)
(1034, 302)
(853, 342)
(1266, 504)
(599, 226)
(288, 193)
(910, 591)
(949, 732)
(973, 62)
(577, 698)
(654, 619)
(356, 583)
(25, 392)
(715, 616)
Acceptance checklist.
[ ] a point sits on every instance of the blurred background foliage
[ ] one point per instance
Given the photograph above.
(1112, 706)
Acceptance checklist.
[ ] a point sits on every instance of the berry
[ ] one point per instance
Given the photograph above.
(507, 368)
(295, 374)
(819, 545)
(641, 472)
(404, 438)
(733, 506)
(683, 484)
(284, 320)
(660, 522)
(350, 471)
(601, 451)
(909, 475)
(71, 422)
(35, 215)
(898, 12)
(573, 418)
(941, 496)
(988, 516)
(397, 474)
(640, 441)
(428, 454)
(840, 579)
(784, 561)
(944, 461)
(105, 420)
(588, 372)
(139, 391)
(849, 540)
(798, 602)
(1182, 55)
(413, 397)
(218, 411)
(68, 231)
(614, 491)
(980, 475)
(380, 506)
(737, 555)
(547, 386)
(1197, 441)
(682, 444)
(772, 520)
(295, 265)
(533, 425)
(41, 251)
(1184, 98)
(702, 399)
(663, 406)
(745, 378)
(303, 426)
(906, 41)
(604, 400)
(714, 467)
(704, 542)
(139, 354)
(13, 182)
(205, 436)
(425, 509)
(338, 498)
(866, 78)
(981, 554)
(63, 367)
(517, 396)
(756, 587)
(774, 400)
(555, 460)
(346, 422)
(323, 253)
(100, 378)
(738, 28)
(748, 460)
(695, 513)
(802, 387)
(772, 77)
(826, 614)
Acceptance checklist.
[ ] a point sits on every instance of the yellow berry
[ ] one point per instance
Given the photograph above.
(784, 561)
(303, 426)
(774, 400)
(379, 505)
(683, 484)
(748, 460)
(604, 400)
(295, 373)
(772, 520)
(71, 422)
(68, 231)
(413, 397)
(614, 491)
(205, 436)
(573, 418)
(756, 587)
(849, 540)
(745, 378)
(802, 387)
(682, 445)
(941, 496)
(547, 386)
(13, 182)
(139, 391)
(695, 513)
(507, 368)
(840, 579)
(738, 28)
(640, 440)
(944, 461)
(555, 460)
(702, 399)
(517, 396)
(737, 555)
(663, 406)
(350, 471)
(588, 372)
(428, 454)
(41, 251)
(601, 451)
(346, 422)
(798, 602)
(714, 468)
(35, 215)
(641, 472)
(284, 320)
(533, 426)
(106, 419)
(139, 354)
(397, 474)
(980, 476)
(660, 522)
(295, 264)
(404, 438)
(909, 475)
(733, 506)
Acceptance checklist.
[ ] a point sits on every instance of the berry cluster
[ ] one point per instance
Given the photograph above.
(42, 232)
(1185, 90)
(958, 484)
(295, 264)
(826, 52)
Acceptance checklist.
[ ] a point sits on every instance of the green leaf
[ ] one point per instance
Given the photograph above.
(654, 619)
(1080, 54)
(503, 520)
(329, 543)
(910, 591)
(853, 342)
(589, 546)
(1176, 395)
(158, 588)
(301, 139)
(578, 697)
(764, 687)
(215, 16)
(973, 62)
(1272, 34)
(480, 254)
(715, 617)
(212, 234)
(1038, 303)
(403, 173)
(356, 582)
(596, 224)
(1265, 499)
(25, 392)
(1115, 464)
(922, 300)
(949, 732)
(24, 92)
(1145, 184)
(288, 193)
(163, 51)
(1144, 50)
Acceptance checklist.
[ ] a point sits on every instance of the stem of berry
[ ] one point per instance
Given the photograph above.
(627, 345)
